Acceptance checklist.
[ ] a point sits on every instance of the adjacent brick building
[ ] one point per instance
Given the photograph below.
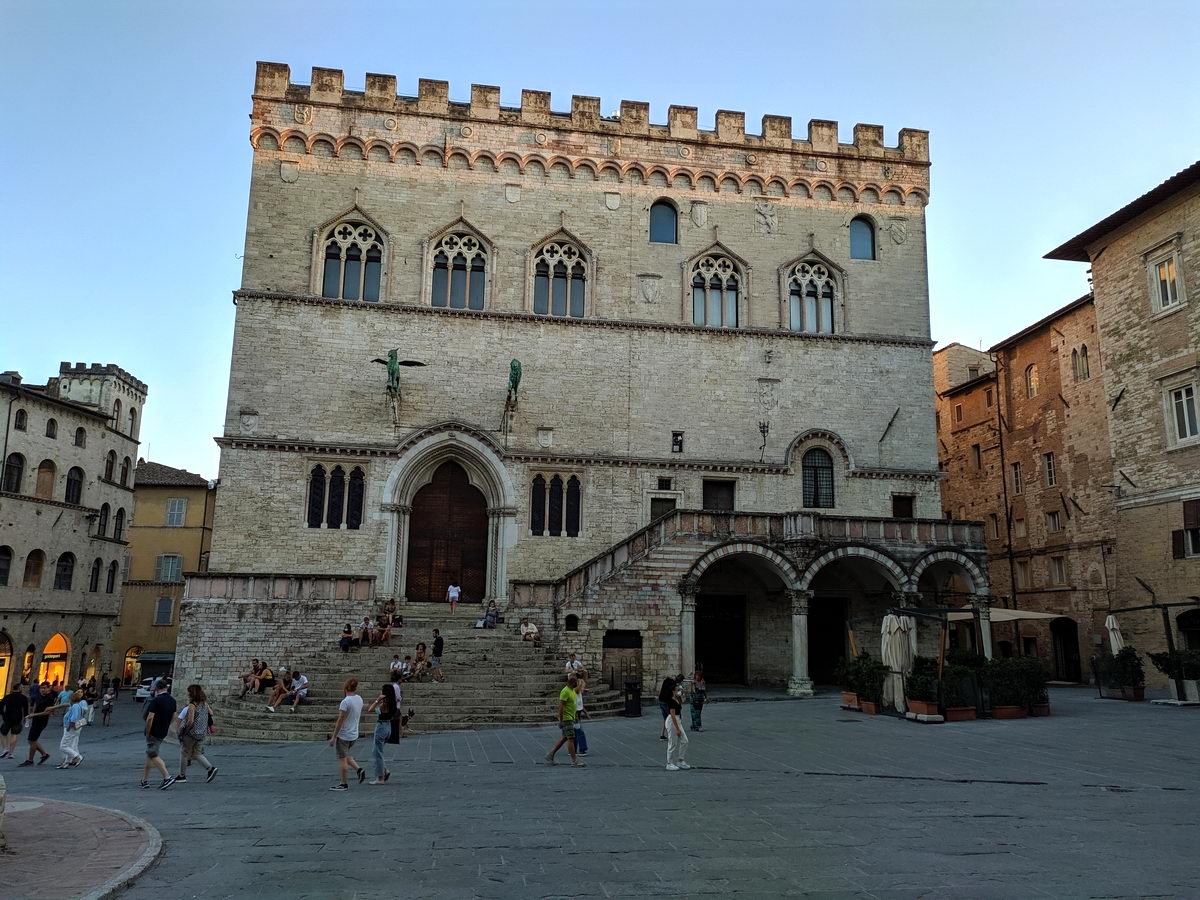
(66, 501)
(1023, 440)
(704, 320)
(1145, 267)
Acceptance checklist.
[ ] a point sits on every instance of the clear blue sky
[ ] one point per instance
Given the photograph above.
(124, 162)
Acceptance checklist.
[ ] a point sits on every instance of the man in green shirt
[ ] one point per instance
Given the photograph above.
(566, 721)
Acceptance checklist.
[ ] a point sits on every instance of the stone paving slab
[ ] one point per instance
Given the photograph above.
(786, 799)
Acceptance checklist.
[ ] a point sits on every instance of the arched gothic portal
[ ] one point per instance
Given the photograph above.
(448, 538)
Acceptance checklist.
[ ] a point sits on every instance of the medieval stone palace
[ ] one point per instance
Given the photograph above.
(666, 391)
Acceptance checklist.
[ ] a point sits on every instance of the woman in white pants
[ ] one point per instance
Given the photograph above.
(677, 739)
(73, 721)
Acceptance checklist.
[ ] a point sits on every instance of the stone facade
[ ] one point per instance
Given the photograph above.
(67, 501)
(1145, 265)
(627, 395)
(1040, 394)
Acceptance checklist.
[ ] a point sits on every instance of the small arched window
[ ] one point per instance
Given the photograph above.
(116, 417)
(337, 497)
(119, 525)
(126, 466)
(6, 556)
(459, 272)
(110, 465)
(1075, 364)
(555, 506)
(811, 297)
(81, 437)
(354, 498)
(34, 563)
(664, 223)
(316, 496)
(572, 507)
(64, 572)
(817, 474)
(132, 422)
(1085, 370)
(1031, 381)
(21, 420)
(571, 623)
(537, 506)
(716, 284)
(52, 428)
(353, 257)
(102, 521)
(559, 280)
(45, 480)
(110, 583)
(862, 238)
(74, 485)
(94, 578)
(14, 473)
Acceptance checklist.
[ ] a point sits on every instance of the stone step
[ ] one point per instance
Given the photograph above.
(434, 699)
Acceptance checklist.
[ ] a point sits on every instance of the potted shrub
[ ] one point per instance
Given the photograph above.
(1005, 681)
(1122, 675)
(867, 677)
(842, 674)
(958, 693)
(921, 687)
(1185, 666)
(1036, 695)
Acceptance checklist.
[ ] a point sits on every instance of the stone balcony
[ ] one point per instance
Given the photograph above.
(272, 586)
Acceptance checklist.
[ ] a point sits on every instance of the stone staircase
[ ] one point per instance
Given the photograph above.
(493, 679)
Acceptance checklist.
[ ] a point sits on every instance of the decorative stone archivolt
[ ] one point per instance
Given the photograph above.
(892, 570)
(782, 566)
(978, 579)
(349, 258)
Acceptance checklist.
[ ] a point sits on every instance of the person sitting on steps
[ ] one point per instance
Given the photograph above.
(529, 632)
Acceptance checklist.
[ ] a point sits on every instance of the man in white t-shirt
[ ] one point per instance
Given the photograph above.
(529, 631)
(345, 733)
(452, 594)
(573, 665)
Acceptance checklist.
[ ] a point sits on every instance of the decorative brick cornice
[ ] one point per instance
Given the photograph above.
(86, 510)
(887, 340)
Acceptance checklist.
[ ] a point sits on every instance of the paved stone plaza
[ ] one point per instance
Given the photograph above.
(790, 798)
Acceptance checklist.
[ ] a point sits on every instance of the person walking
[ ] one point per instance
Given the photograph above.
(435, 662)
(581, 744)
(106, 704)
(387, 729)
(677, 739)
(699, 696)
(13, 710)
(159, 714)
(41, 707)
(453, 592)
(345, 733)
(193, 731)
(566, 722)
(664, 699)
(74, 719)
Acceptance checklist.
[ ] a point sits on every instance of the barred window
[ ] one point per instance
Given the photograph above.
(817, 474)
(74, 492)
(811, 295)
(716, 284)
(555, 506)
(64, 572)
(353, 262)
(459, 272)
(559, 280)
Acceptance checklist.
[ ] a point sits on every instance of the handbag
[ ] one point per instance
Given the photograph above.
(212, 723)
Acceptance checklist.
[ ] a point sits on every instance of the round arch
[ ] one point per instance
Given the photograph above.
(978, 579)
(421, 456)
(894, 571)
(781, 564)
(7, 658)
(56, 659)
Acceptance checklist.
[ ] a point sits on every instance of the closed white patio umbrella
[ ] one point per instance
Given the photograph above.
(1116, 640)
(897, 647)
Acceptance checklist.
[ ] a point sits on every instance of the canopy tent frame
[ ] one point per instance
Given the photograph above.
(1166, 618)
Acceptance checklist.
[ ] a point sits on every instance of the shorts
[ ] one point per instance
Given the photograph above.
(568, 730)
(343, 748)
(7, 727)
(36, 729)
(435, 662)
(266, 682)
(152, 745)
(293, 696)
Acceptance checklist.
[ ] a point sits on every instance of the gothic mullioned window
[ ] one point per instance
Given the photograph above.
(352, 252)
(559, 280)
(554, 506)
(459, 279)
(335, 498)
(716, 284)
(812, 293)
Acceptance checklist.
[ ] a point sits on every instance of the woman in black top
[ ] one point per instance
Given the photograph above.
(388, 704)
(665, 693)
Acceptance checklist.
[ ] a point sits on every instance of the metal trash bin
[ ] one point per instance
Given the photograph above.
(633, 696)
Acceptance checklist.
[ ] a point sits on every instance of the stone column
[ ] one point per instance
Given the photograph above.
(396, 565)
(983, 603)
(799, 685)
(688, 588)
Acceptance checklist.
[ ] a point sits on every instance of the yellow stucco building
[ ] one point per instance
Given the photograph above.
(170, 535)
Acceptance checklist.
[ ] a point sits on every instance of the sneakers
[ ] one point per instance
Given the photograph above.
(549, 759)
(578, 764)
(6, 754)
(662, 737)
(583, 753)
(167, 782)
(77, 761)
(671, 767)
(181, 779)
(143, 784)
(45, 756)
(28, 762)
(377, 781)
(293, 707)
(362, 774)
(62, 766)
(212, 773)
(270, 708)
(386, 775)
(683, 765)
(340, 787)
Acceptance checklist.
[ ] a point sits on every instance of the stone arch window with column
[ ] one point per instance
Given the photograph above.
(560, 277)
(350, 258)
(458, 267)
(812, 294)
(716, 289)
(451, 477)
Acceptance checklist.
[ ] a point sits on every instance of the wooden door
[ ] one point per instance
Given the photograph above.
(447, 538)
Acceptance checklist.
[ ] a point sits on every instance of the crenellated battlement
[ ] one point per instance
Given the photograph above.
(99, 370)
(327, 88)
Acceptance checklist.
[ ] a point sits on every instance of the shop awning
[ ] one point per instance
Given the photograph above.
(1000, 614)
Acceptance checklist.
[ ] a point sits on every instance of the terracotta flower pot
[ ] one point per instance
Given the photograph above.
(922, 707)
(1040, 709)
(1133, 693)
(849, 698)
(1008, 712)
(960, 714)
(870, 707)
